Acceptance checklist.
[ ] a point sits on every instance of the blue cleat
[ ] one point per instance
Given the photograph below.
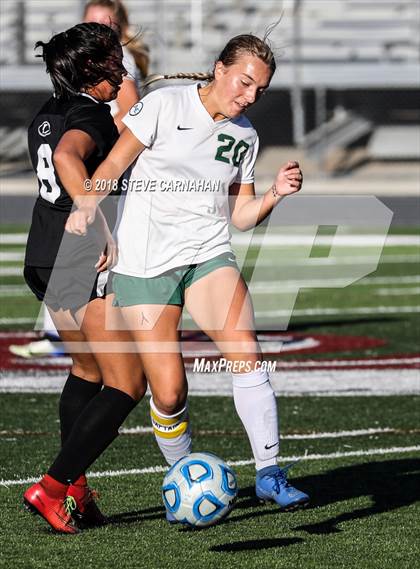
(272, 486)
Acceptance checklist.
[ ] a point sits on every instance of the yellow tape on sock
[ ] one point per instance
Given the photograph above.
(169, 427)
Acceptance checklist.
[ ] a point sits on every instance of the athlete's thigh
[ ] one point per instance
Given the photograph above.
(221, 306)
(75, 343)
(112, 348)
(154, 329)
(220, 302)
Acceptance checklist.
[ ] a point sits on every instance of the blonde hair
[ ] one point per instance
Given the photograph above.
(247, 44)
(138, 49)
(237, 46)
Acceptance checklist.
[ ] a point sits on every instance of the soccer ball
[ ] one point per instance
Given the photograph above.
(200, 489)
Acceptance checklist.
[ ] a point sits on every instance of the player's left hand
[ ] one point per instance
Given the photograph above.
(109, 256)
(289, 179)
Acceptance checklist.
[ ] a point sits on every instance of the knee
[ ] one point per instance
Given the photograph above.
(170, 402)
(86, 370)
(135, 389)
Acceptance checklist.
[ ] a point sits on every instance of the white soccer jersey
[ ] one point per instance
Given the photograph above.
(176, 209)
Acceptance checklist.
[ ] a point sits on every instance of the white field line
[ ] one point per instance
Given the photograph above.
(11, 256)
(139, 430)
(161, 469)
(389, 280)
(278, 287)
(286, 383)
(338, 434)
(286, 287)
(11, 290)
(350, 363)
(11, 272)
(13, 238)
(43, 362)
(318, 382)
(279, 313)
(267, 347)
(397, 291)
(10, 321)
(17, 335)
(274, 286)
(279, 239)
(289, 262)
(338, 311)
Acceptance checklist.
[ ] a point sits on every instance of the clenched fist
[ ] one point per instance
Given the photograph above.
(288, 180)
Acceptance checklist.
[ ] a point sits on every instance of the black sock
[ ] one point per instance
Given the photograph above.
(76, 394)
(93, 431)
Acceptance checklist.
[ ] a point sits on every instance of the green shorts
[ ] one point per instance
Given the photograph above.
(168, 288)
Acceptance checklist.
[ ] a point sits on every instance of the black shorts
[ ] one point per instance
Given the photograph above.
(66, 288)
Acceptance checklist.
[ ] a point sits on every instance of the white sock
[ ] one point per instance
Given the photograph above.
(172, 433)
(255, 404)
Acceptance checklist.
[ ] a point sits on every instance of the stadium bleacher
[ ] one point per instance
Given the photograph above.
(342, 44)
(186, 35)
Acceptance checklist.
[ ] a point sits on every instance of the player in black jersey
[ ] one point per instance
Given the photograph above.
(69, 137)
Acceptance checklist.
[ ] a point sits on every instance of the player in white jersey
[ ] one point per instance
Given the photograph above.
(181, 214)
(193, 154)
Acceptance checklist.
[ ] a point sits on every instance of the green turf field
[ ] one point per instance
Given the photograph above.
(385, 303)
(363, 511)
(361, 469)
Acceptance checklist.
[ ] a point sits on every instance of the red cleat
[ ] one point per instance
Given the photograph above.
(87, 514)
(53, 506)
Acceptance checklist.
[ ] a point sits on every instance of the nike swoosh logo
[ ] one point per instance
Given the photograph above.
(231, 259)
(271, 446)
(184, 127)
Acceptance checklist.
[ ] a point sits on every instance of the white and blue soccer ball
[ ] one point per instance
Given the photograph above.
(200, 489)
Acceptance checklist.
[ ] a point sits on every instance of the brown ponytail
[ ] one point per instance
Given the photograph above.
(237, 46)
(192, 76)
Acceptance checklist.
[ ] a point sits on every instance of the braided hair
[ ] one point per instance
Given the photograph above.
(191, 76)
(245, 44)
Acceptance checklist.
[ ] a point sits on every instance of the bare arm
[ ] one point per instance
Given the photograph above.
(248, 210)
(123, 154)
(69, 157)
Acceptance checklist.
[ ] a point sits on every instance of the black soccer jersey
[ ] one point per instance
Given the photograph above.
(54, 204)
